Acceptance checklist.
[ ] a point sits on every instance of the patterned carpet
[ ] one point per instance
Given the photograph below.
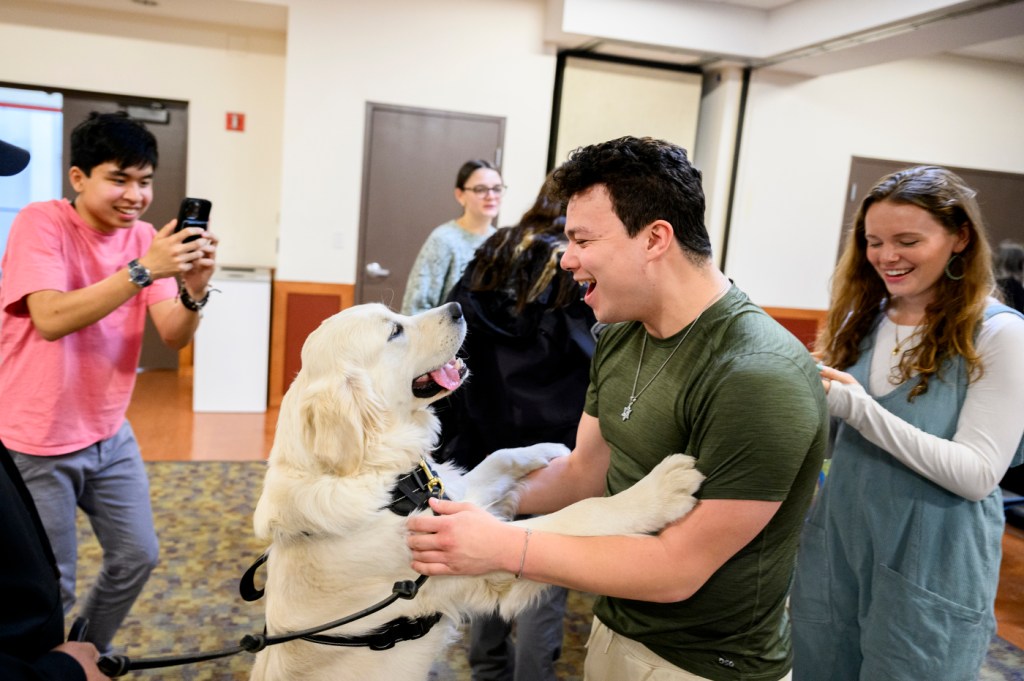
(203, 516)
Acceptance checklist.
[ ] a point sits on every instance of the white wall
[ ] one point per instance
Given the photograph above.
(481, 57)
(799, 137)
(633, 100)
(301, 157)
(303, 151)
(215, 72)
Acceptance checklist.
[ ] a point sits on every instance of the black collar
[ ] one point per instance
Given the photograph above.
(413, 490)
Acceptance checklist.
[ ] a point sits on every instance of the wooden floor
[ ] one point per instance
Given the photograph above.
(167, 430)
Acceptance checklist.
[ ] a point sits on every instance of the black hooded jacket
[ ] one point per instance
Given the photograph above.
(529, 374)
(32, 617)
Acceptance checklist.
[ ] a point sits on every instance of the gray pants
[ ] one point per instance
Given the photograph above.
(493, 656)
(108, 482)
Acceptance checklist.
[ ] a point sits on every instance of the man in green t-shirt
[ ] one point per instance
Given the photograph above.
(687, 364)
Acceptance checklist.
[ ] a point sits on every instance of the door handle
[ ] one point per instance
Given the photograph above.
(375, 270)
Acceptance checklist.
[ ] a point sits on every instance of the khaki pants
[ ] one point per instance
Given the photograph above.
(611, 657)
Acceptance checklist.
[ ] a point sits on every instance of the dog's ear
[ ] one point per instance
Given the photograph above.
(341, 419)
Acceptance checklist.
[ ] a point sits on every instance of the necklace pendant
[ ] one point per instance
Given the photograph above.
(628, 409)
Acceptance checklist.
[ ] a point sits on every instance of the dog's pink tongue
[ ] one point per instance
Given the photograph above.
(447, 376)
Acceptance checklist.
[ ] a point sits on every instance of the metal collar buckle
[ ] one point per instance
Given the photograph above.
(412, 491)
(432, 480)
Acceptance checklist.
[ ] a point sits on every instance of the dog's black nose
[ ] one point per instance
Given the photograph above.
(455, 310)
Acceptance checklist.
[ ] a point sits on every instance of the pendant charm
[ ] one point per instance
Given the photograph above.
(628, 409)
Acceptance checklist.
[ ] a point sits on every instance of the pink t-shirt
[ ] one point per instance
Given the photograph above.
(61, 396)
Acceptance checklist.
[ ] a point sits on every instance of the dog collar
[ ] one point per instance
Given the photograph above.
(413, 490)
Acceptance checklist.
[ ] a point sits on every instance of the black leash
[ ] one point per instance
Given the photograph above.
(119, 665)
(412, 492)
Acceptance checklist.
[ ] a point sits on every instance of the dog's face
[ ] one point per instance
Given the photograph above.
(366, 370)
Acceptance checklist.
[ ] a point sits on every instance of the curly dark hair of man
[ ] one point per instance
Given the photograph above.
(648, 180)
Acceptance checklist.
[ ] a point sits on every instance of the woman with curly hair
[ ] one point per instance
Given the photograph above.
(899, 559)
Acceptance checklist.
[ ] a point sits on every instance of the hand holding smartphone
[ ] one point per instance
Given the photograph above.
(193, 213)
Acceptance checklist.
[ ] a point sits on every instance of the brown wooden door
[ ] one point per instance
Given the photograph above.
(412, 157)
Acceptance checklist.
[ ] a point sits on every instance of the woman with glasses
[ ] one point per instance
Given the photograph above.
(450, 247)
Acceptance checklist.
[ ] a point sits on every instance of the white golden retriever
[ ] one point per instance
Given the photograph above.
(355, 419)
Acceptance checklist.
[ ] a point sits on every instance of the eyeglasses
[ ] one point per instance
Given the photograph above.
(482, 190)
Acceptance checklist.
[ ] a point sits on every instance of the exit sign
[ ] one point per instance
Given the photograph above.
(236, 121)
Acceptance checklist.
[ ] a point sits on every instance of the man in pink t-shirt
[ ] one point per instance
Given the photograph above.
(76, 282)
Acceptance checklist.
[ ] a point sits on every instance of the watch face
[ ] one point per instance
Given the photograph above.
(138, 274)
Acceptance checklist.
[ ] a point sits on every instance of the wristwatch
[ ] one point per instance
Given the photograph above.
(138, 274)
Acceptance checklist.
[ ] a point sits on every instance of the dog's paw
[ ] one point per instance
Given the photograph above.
(495, 481)
(677, 472)
(661, 497)
(521, 460)
(669, 488)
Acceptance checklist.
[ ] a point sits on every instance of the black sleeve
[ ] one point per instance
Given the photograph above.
(31, 618)
(52, 666)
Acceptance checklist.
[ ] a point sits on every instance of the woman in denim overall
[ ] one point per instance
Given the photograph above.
(899, 559)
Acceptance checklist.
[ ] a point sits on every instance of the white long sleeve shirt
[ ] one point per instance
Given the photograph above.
(991, 421)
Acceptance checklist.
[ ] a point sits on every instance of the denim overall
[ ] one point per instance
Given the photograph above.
(896, 577)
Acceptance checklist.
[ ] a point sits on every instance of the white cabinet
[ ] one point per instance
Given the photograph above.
(232, 344)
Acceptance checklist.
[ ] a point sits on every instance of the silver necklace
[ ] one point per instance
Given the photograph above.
(627, 411)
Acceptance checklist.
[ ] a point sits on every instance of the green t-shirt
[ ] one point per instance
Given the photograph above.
(742, 396)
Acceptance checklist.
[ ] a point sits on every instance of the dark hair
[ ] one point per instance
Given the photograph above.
(1010, 260)
(112, 137)
(470, 167)
(525, 259)
(647, 180)
(951, 319)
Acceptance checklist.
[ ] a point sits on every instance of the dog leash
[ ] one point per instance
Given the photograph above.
(412, 492)
(119, 665)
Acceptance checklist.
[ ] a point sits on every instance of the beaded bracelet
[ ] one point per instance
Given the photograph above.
(190, 303)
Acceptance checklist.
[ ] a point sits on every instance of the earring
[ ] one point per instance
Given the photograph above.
(949, 274)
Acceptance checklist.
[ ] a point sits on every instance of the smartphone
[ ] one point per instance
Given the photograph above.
(193, 213)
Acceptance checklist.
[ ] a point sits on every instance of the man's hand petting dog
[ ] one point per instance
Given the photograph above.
(432, 536)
